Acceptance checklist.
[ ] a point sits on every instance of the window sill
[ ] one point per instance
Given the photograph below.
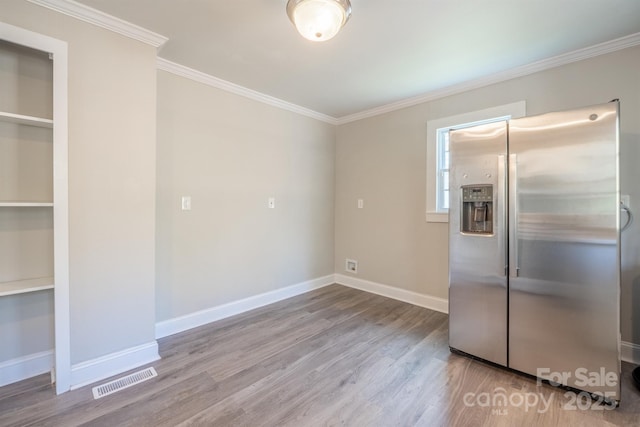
(437, 217)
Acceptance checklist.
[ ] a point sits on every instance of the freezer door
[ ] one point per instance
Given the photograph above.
(477, 242)
(564, 248)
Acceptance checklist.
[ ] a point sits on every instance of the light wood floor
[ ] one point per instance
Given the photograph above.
(335, 356)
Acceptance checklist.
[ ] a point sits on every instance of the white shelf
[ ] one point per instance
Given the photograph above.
(25, 204)
(25, 286)
(26, 120)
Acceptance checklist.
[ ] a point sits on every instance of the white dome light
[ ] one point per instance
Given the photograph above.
(318, 20)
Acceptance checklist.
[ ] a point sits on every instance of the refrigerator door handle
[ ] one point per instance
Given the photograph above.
(502, 212)
(514, 261)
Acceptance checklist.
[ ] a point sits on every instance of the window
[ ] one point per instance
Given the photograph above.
(438, 152)
(442, 173)
(442, 158)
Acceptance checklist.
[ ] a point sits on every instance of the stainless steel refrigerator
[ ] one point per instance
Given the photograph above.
(534, 246)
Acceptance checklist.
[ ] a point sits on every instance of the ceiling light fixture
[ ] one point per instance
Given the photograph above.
(318, 20)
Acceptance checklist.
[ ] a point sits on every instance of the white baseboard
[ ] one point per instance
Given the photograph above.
(24, 367)
(199, 318)
(113, 364)
(422, 300)
(630, 352)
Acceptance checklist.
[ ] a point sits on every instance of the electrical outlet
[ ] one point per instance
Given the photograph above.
(186, 203)
(351, 265)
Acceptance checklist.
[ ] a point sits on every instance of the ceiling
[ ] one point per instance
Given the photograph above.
(390, 50)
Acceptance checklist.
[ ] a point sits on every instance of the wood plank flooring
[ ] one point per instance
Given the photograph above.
(335, 356)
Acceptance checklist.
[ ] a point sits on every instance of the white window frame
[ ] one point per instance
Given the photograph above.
(435, 159)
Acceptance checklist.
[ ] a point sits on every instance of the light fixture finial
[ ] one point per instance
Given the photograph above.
(318, 20)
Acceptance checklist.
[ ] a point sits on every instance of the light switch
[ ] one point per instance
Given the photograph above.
(360, 203)
(272, 202)
(186, 203)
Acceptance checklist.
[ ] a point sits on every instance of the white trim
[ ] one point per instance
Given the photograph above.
(30, 39)
(436, 216)
(24, 367)
(515, 110)
(61, 220)
(113, 364)
(209, 80)
(199, 318)
(524, 70)
(101, 19)
(421, 300)
(630, 352)
(58, 49)
(104, 20)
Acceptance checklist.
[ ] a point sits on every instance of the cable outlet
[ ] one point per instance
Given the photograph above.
(271, 202)
(351, 265)
(625, 199)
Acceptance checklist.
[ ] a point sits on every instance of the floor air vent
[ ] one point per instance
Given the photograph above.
(124, 382)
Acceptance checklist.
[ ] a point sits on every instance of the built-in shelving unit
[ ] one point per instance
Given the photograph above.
(33, 199)
(26, 142)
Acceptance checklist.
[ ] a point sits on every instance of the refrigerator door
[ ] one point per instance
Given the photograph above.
(477, 242)
(564, 248)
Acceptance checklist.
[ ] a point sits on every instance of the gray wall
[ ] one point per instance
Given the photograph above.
(382, 160)
(230, 154)
(26, 324)
(112, 125)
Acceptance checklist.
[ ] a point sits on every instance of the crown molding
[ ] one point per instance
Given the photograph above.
(198, 76)
(101, 19)
(545, 64)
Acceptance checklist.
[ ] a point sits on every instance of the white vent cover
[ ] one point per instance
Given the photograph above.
(124, 382)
